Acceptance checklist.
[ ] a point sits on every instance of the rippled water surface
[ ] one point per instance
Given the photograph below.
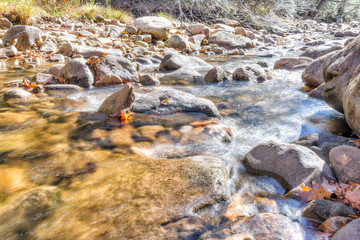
(63, 142)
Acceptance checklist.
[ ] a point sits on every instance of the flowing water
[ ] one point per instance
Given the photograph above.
(63, 142)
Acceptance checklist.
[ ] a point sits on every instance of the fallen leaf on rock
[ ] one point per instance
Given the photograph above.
(333, 224)
(165, 102)
(324, 190)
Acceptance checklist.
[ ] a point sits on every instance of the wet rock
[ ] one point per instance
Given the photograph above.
(62, 88)
(196, 28)
(289, 164)
(158, 27)
(16, 93)
(267, 40)
(342, 81)
(178, 42)
(115, 65)
(159, 101)
(54, 70)
(263, 64)
(333, 224)
(318, 51)
(22, 212)
(215, 75)
(120, 100)
(38, 89)
(317, 92)
(229, 40)
(292, 63)
(76, 72)
(5, 23)
(314, 73)
(266, 226)
(322, 143)
(8, 51)
(320, 209)
(345, 162)
(175, 61)
(48, 47)
(44, 79)
(251, 72)
(26, 37)
(315, 43)
(109, 80)
(350, 231)
(99, 52)
(147, 79)
(183, 74)
(155, 197)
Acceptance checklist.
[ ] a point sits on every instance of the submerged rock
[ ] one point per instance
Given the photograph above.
(16, 93)
(147, 198)
(26, 37)
(289, 164)
(159, 101)
(267, 226)
(22, 212)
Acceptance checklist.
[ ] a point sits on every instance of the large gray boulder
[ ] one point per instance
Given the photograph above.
(176, 61)
(345, 160)
(76, 72)
(160, 101)
(342, 81)
(350, 231)
(26, 37)
(158, 27)
(289, 164)
(321, 50)
(314, 73)
(229, 40)
(116, 65)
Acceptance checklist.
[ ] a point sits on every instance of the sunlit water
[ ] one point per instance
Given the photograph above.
(59, 142)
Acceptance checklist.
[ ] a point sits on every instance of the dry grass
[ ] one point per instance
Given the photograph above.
(26, 11)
